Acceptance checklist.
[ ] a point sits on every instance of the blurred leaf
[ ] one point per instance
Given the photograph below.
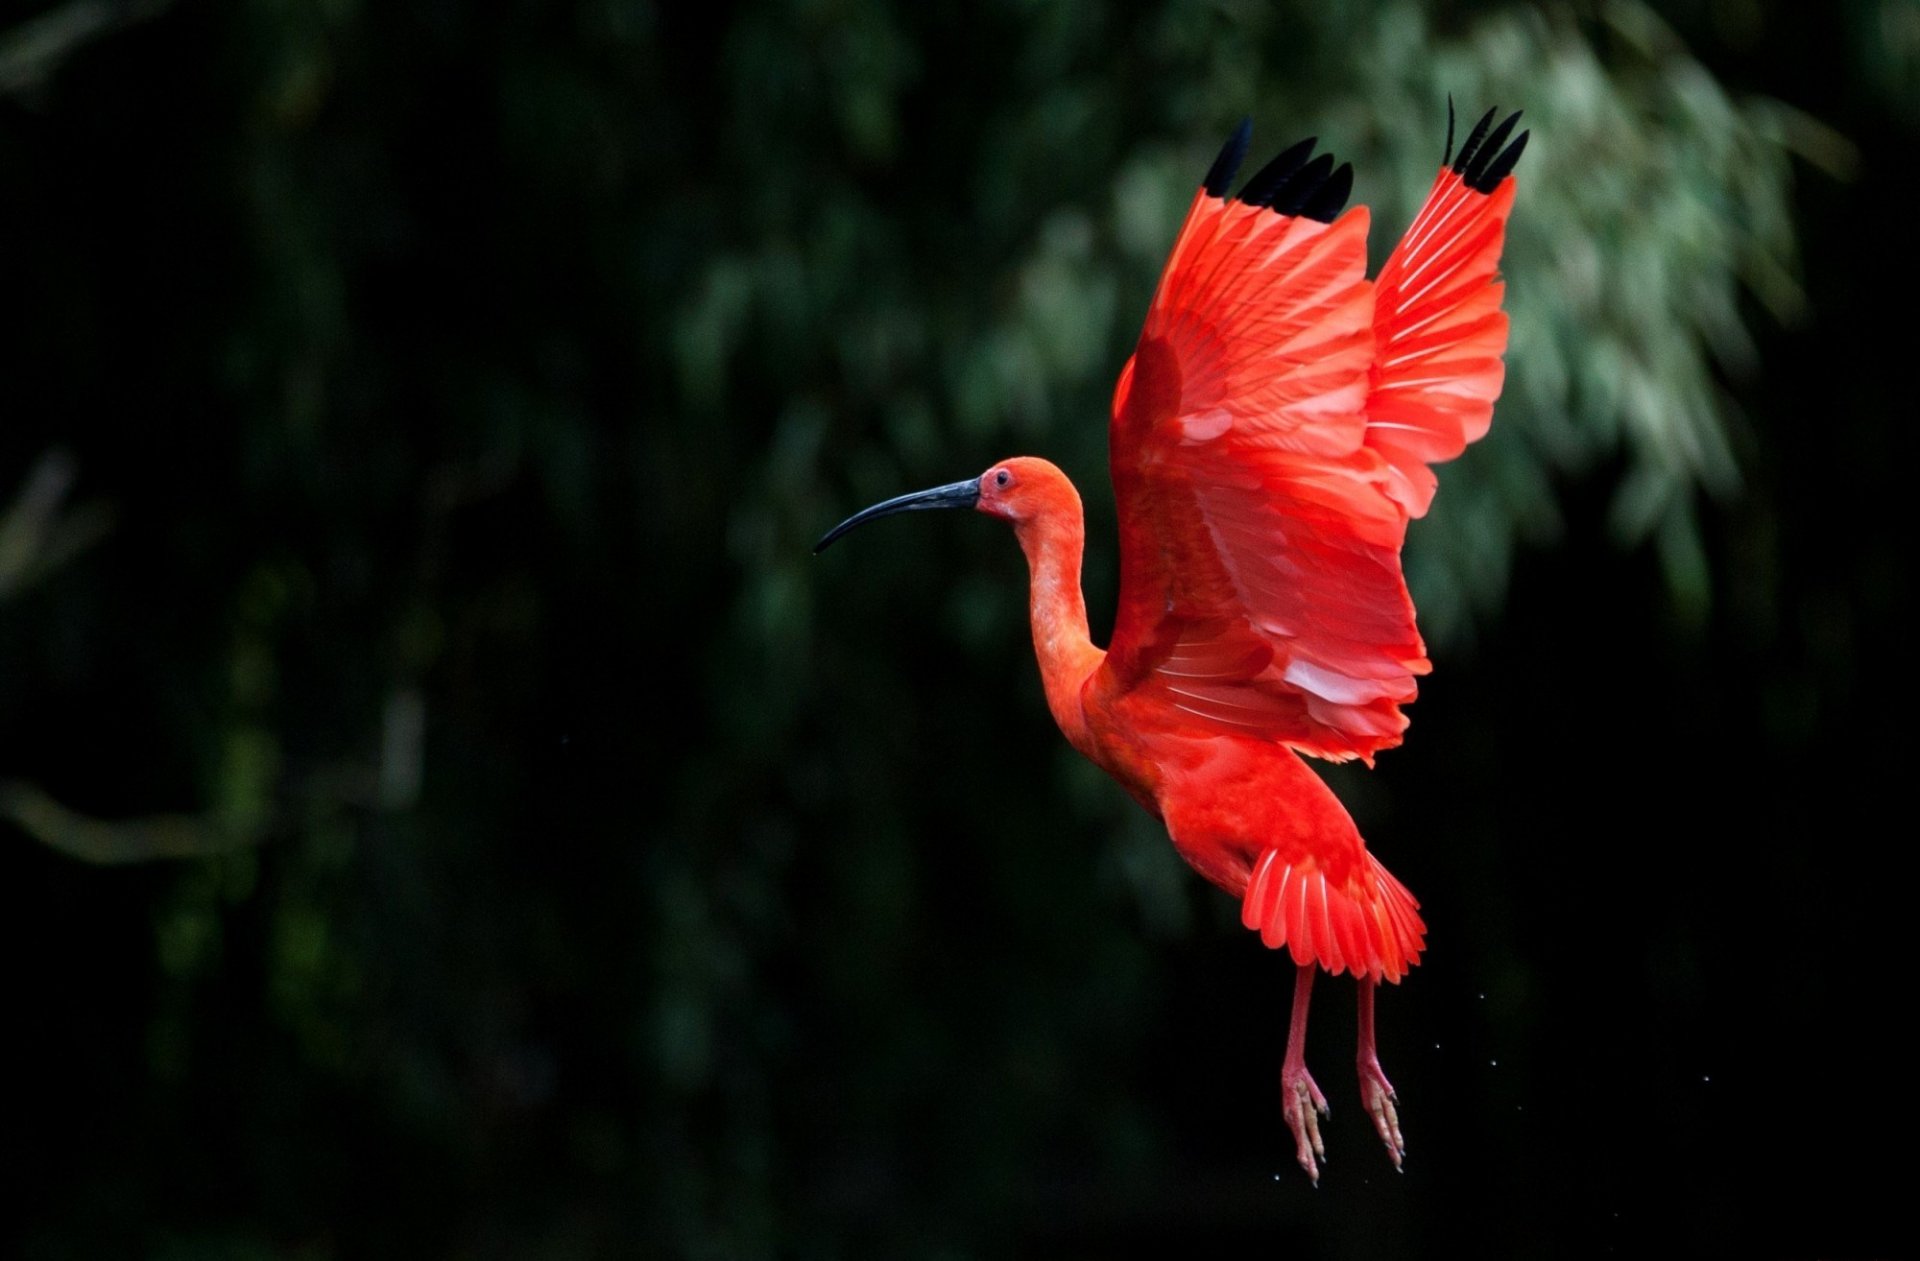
(35, 535)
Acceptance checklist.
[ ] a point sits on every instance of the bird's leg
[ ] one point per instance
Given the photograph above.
(1376, 1092)
(1301, 1101)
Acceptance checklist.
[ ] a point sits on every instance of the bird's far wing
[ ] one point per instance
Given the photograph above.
(1260, 584)
(1437, 320)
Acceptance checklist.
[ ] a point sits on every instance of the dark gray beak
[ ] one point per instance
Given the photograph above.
(959, 495)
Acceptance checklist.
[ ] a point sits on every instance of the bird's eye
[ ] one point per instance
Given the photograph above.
(1003, 479)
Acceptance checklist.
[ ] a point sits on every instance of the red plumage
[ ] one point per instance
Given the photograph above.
(1271, 436)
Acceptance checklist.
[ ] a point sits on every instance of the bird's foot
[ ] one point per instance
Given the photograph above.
(1303, 1105)
(1376, 1092)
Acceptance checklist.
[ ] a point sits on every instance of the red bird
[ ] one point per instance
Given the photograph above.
(1270, 439)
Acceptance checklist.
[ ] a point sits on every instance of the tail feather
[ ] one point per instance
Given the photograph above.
(1369, 924)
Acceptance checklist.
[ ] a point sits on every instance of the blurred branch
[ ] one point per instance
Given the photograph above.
(250, 798)
(106, 841)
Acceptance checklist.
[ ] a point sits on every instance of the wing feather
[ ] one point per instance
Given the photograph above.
(1440, 334)
(1268, 440)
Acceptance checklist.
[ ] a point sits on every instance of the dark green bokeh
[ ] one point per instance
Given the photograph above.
(450, 812)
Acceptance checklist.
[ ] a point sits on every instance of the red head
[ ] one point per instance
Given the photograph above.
(1025, 489)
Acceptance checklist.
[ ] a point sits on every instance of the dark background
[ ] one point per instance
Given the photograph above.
(447, 811)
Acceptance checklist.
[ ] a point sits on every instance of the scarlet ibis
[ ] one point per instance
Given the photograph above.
(1270, 438)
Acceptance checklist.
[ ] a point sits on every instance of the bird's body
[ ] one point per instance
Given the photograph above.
(1175, 763)
(1270, 439)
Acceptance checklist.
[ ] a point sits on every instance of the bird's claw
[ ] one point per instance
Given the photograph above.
(1303, 1105)
(1376, 1092)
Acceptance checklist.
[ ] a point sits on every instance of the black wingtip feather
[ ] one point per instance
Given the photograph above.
(1331, 197)
(1232, 154)
(1293, 183)
(1473, 172)
(1500, 167)
(1474, 138)
(1446, 157)
(1268, 180)
(1291, 197)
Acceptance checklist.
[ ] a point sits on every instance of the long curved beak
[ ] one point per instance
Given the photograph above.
(958, 495)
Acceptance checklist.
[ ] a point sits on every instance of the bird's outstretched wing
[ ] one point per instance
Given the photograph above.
(1438, 325)
(1261, 506)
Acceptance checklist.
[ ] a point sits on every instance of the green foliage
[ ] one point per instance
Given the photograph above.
(1657, 214)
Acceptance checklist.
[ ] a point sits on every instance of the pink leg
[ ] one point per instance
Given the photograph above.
(1376, 1092)
(1301, 1101)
